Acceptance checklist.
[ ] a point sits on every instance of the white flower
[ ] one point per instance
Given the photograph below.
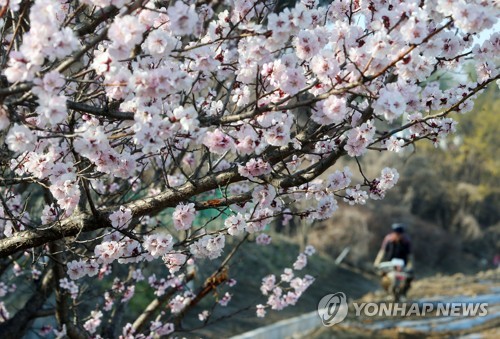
(20, 139)
(183, 216)
(182, 17)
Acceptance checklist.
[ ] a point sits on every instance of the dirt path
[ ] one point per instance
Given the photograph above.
(457, 289)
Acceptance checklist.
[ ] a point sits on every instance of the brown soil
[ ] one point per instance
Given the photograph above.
(483, 283)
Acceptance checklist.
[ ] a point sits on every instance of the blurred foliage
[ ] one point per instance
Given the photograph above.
(448, 196)
(478, 158)
(462, 175)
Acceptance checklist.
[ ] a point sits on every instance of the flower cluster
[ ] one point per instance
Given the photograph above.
(158, 244)
(70, 286)
(94, 322)
(46, 39)
(280, 297)
(254, 168)
(184, 216)
(208, 246)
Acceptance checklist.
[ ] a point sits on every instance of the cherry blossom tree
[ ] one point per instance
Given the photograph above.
(124, 121)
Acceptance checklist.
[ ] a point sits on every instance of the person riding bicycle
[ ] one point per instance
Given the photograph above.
(397, 245)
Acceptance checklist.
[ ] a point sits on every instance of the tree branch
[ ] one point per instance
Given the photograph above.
(17, 326)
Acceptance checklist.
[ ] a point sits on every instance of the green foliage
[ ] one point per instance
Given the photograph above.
(479, 157)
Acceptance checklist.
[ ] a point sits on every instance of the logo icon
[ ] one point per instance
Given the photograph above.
(332, 308)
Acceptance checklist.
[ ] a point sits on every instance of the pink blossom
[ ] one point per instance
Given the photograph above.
(218, 142)
(300, 285)
(325, 66)
(178, 303)
(158, 244)
(91, 268)
(331, 111)
(301, 262)
(159, 43)
(261, 311)
(291, 298)
(51, 83)
(102, 62)
(174, 261)
(276, 127)
(268, 284)
(121, 219)
(394, 144)
(20, 139)
(108, 301)
(127, 332)
(355, 196)
(128, 293)
(309, 250)
(254, 168)
(263, 239)
(359, 138)
(203, 316)
(76, 269)
(188, 118)
(306, 44)
(49, 214)
(208, 247)
(108, 251)
(183, 216)
(225, 299)
(325, 208)
(60, 333)
(390, 104)
(19, 68)
(45, 330)
(264, 195)
(339, 179)
(125, 32)
(235, 224)
(292, 81)
(66, 192)
(389, 177)
(161, 329)
(287, 276)
(94, 322)
(182, 17)
(257, 221)
(70, 286)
